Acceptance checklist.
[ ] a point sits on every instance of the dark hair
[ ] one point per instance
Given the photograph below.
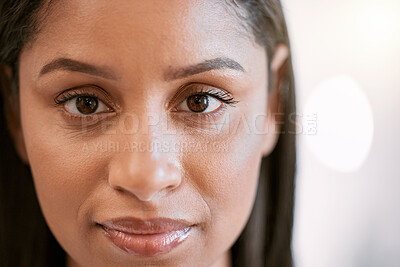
(266, 239)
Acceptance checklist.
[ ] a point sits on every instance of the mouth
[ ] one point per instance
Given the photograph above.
(146, 238)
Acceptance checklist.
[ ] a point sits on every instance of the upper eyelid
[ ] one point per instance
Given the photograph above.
(94, 90)
(80, 87)
(217, 94)
(192, 88)
(71, 95)
(229, 101)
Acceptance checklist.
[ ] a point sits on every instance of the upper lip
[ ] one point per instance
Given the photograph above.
(135, 226)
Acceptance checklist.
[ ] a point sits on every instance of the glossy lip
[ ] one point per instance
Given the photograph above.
(146, 238)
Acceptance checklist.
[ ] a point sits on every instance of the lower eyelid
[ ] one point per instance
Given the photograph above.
(81, 120)
(206, 117)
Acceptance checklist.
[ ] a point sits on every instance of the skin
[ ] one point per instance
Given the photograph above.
(82, 178)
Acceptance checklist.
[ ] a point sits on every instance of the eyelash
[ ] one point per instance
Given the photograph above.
(64, 97)
(223, 96)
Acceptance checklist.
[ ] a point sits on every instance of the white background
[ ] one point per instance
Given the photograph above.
(347, 63)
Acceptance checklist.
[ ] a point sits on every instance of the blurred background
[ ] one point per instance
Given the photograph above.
(347, 63)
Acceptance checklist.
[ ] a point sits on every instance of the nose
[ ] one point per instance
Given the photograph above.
(144, 172)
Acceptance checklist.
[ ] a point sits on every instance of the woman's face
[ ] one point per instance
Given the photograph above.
(136, 112)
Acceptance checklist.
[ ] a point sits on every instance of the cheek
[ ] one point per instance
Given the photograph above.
(65, 178)
(227, 182)
(64, 173)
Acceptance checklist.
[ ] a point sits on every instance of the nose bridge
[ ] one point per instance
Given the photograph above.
(141, 169)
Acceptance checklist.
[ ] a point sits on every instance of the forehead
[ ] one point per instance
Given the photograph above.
(151, 31)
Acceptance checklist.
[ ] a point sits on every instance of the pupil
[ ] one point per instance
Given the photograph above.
(197, 103)
(197, 100)
(86, 104)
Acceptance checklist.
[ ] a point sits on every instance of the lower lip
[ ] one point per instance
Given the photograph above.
(147, 245)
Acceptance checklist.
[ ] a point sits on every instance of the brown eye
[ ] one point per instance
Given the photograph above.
(86, 104)
(200, 103)
(197, 103)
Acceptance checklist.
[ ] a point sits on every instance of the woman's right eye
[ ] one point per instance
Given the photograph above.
(84, 101)
(85, 105)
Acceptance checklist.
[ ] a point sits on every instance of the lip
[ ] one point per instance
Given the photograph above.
(146, 238)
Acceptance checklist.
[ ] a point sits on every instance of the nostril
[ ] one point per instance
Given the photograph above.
(118, 188)
(170, 187)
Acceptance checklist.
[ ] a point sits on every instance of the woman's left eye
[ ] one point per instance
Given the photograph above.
(200, 103)
(85, 105)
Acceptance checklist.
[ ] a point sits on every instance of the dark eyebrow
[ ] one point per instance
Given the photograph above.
(212, 64)
(76, 66)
